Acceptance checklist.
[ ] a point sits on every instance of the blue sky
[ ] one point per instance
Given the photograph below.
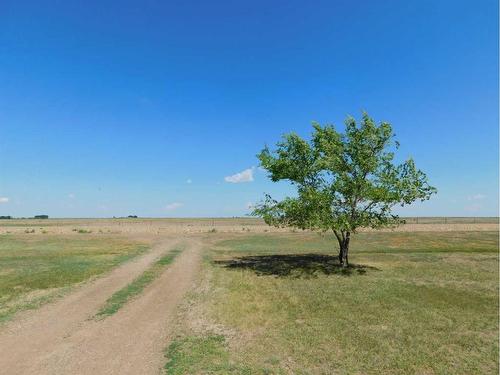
(110, 108)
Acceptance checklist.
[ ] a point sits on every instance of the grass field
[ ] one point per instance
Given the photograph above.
(424, 303)
(36, 269)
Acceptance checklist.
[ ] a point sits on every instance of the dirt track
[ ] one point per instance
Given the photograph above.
(60, 338)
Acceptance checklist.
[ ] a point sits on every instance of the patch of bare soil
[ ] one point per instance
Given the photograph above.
(60, 338)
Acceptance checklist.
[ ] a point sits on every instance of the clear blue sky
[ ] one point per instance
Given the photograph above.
(145, 107)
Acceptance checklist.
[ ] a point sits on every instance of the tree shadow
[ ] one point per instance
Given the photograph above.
(294, 265)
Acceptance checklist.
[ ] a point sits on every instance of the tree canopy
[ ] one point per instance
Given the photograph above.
(344, 181)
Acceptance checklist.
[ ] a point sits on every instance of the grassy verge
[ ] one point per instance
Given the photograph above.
(425, 303)
(36, 269)
(120, 298)
(201, 355)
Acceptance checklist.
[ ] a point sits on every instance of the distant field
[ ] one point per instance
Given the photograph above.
(204, 225)
(423, 303)
(450, 220)
(218, 221)
(36, 268)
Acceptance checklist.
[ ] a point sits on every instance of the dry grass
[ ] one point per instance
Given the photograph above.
(34, 269)
(271, 301)
(152, 227)
(427, 303)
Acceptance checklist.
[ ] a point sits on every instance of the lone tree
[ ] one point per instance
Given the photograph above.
(344, 181)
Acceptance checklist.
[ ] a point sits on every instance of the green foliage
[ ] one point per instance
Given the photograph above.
(344, 181)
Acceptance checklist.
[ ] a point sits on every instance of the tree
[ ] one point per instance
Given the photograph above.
(344, 181)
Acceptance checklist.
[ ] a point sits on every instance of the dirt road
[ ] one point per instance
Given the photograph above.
(61, 338)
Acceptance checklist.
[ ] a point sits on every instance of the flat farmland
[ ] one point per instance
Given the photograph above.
(189, 296)
(151, 227)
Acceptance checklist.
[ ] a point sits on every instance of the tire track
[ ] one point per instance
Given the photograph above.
(60, 339)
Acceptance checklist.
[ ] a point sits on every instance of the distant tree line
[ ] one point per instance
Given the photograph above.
(8, 217)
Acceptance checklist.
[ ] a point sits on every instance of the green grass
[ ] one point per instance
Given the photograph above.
(121, 297)
(427, 303)
(366, 242)
(37, 268)
(200, 354)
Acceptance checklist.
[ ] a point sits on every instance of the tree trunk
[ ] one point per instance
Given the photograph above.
(344, 249)
(343, 238)
(341, 255)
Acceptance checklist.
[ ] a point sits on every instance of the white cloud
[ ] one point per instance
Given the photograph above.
(173, 206)
(189, 181)
(71, 196)
(249, 205)
(243, 176)
(476, 197)
(4, 200)
(473, 208)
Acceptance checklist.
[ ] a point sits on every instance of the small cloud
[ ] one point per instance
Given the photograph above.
(476, 197)
(249, 206)
(71, 196)
(244, 176)
(4, 200)
(173, 206)
(473, 208)
(189, 181)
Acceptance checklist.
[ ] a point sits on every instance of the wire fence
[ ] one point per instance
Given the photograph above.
(214, 222)
(451, 220)
(408, 220)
